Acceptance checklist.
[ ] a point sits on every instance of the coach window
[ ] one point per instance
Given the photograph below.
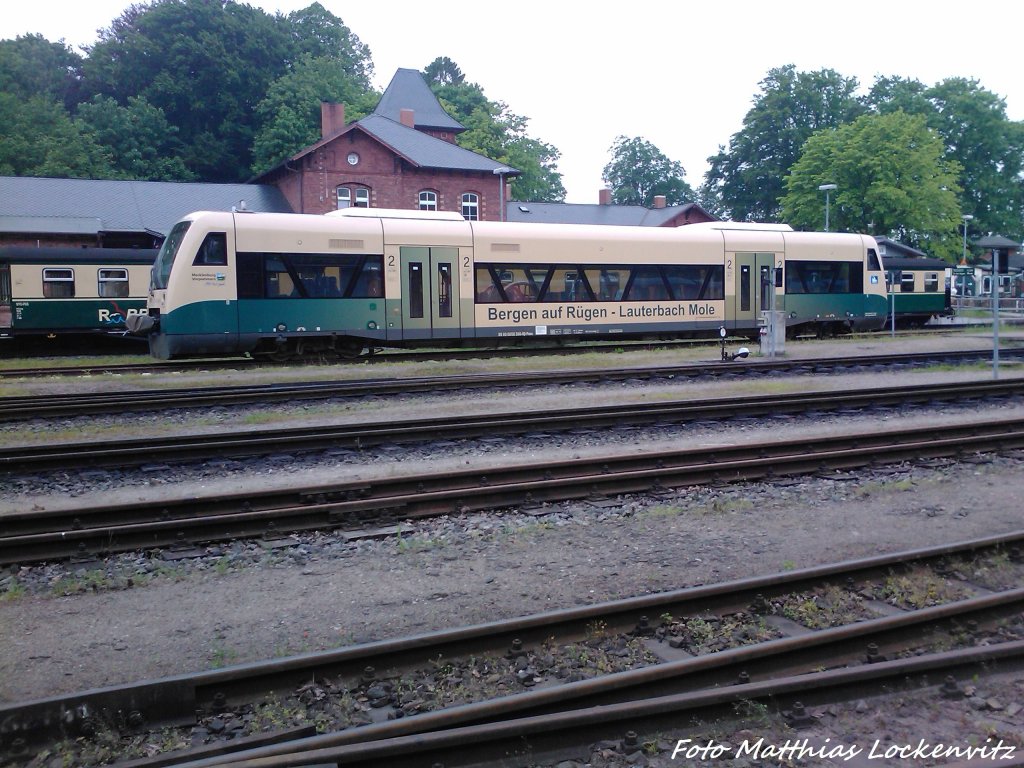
(428, 200)
(907, 282)
(931, 282)
(344, 197)
(213, 252)
(471, 206)
(58, 283)
(113, 283)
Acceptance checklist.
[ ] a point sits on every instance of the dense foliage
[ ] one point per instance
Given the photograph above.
(940, 152)
(216, 91)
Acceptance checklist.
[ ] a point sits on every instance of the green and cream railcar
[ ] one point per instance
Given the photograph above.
(62, 291)
(288, 284)
(920, 289)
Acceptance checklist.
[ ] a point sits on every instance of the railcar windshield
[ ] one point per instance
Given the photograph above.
(165, 259)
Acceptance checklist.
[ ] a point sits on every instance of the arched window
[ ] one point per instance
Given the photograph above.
(470, 206)
(357, 197)
(428, 200)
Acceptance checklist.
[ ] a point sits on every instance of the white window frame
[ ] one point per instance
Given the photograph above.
(344, 197)
(112, 283)
(471, 206)
(58, 276)
(362, 197)
(428, 200)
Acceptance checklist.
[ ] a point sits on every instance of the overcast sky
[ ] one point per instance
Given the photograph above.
(680, 75)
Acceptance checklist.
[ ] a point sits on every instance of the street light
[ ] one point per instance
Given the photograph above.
(500, 173)
(826, 188)
(966, 217)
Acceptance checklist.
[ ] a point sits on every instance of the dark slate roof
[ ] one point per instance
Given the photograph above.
(423, 150)
(996, 241)
(896, 249)
(86, 206)
(408, 90)
(587, 213)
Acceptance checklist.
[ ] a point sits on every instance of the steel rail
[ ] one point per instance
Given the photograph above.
(39, 406)
(377, 356)
(140, 451)
(32, 536)
(557, 736)
(175, 700)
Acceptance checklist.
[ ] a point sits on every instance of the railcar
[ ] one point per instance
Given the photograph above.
(64, 292)
(919, 290)
(283, 285)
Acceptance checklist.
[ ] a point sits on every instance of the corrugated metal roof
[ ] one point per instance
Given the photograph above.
(65, 225)
(121, 206)
(408, 90)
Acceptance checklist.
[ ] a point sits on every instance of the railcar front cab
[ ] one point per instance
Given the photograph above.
(834, 284)
(272, 285)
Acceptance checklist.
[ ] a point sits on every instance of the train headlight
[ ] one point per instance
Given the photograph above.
(281, 327)
(372, 325)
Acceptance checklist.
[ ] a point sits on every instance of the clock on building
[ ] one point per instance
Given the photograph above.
(353, 158)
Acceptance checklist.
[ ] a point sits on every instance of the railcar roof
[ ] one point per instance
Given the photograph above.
(23, 254)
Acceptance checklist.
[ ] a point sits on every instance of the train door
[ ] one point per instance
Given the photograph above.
(430, 292)
(6, 309)
(753, 287)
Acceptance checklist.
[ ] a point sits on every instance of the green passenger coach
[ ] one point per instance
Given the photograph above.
(56, 292)
(287, 285)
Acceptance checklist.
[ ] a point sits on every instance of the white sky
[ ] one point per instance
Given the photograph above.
(680, 75)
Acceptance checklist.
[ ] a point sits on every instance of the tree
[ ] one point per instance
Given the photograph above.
(33, 66)
(892, 180)
(290, 112)
(495, 132)
(142, 144)
(978, 135)
(443, 71)
(205, 63)
(638, 172)
(748, 178)
(39, 138)
(319, 34)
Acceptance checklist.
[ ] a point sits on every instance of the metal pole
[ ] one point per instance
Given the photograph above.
(501, 194)
(826, 210)
(892, 310)
(995, 312)
(771, 311)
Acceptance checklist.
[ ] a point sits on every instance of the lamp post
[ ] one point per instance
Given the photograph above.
(826, 188)
(962, 280)
(500, 173)
(966, 217)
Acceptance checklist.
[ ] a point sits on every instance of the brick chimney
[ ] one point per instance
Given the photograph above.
(407, 117)
(332, 119)
(604, 197)
(659, 201)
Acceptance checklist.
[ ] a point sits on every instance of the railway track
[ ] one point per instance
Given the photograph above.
(91, 532)
(887, 643)
(391, 356)
(154, 450)
(94, 403)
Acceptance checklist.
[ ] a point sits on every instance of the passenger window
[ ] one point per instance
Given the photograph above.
(907, 282)
(113, 283)
(931, 282)
(59, 283)
(213, 252)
